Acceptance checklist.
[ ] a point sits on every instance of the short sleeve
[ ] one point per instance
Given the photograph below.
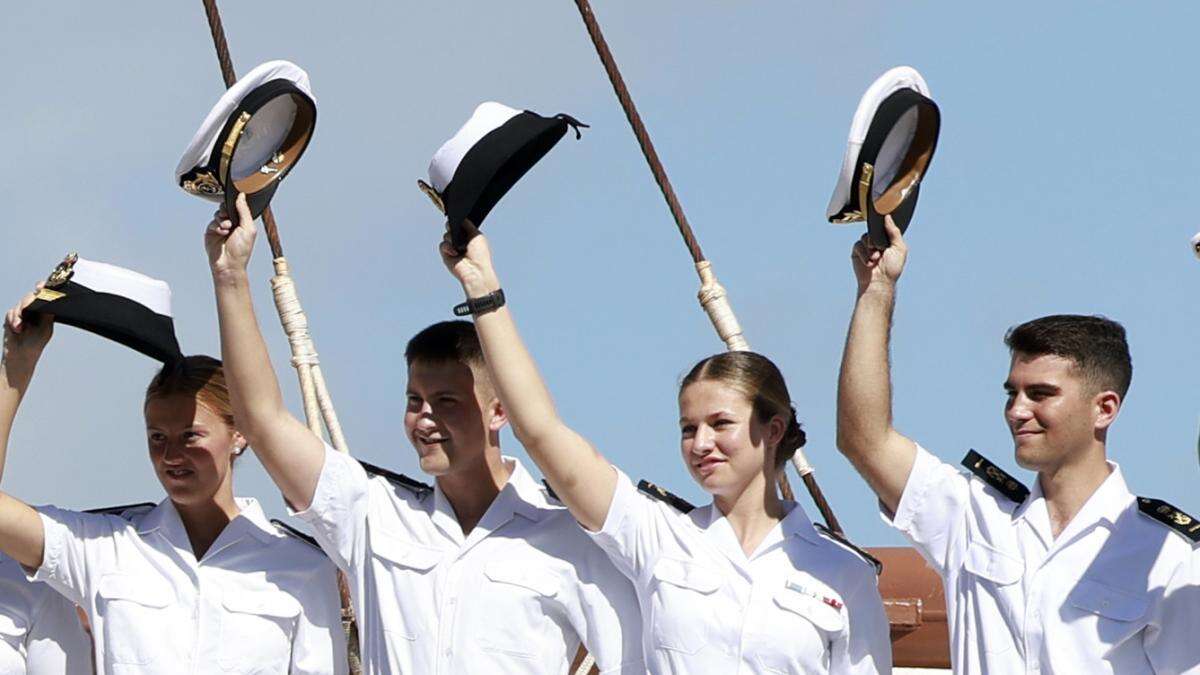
(319, 647)
(73, 542)
(633, 530)
(606, 615)
(934, 500)
(338, 512)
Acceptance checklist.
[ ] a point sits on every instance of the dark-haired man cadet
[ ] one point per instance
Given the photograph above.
(483, 573)
(1071, 575)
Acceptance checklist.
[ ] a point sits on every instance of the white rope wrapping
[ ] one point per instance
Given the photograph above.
(585, 666)
(716, 305)
(318, 405)
(801, 463)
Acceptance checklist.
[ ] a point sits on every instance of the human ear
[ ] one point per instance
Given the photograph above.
(1108, 404)
(498, 417)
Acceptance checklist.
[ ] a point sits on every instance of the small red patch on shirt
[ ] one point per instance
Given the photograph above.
(832, 603)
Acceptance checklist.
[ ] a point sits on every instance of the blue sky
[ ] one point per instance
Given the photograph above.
(1064, 182)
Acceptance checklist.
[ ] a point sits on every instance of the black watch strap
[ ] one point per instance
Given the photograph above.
(487, 303)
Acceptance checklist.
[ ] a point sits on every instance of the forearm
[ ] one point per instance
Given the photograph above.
(14, 382)
(864, 385)
(518, 383)
(257, 400)
(291, 454)
(576, 471)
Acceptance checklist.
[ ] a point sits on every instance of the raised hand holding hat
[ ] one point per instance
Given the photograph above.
(252, 138)
(892, 139)
(473, 170)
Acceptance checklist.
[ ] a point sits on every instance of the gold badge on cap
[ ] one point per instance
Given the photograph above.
(433, 195)
(60, 276)
(203, 184)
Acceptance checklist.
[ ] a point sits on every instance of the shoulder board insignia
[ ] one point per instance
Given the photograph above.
(550, 491)
(678, 503)
(996, 477)
(411, 484)
(140, 507)
(871, 560)
(1172, 517)
(292, 532)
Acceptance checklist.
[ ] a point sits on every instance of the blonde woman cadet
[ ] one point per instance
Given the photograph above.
(201, 584)
(746, 584)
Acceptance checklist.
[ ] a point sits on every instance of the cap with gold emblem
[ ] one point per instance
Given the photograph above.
(892, 139)
(113, 302)
(472, 171)
(252, 138)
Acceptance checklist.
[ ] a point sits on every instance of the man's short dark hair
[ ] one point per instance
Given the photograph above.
(1095, 344)
(446, 341)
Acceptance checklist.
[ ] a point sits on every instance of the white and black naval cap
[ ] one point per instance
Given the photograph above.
(252, 138)
(892, 139)
(472, 171)
(113, 302)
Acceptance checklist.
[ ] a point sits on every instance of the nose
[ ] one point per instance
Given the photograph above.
(172, 452)
(1018, 409)
(704, 441)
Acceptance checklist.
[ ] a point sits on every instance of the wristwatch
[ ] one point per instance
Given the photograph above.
(475, 306)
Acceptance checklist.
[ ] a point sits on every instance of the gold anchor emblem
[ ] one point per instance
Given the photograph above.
(433, 195)
(204, 184)
(1181, 518)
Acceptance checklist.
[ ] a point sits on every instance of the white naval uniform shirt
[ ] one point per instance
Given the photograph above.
(802, 603)
(1114, 593)
(257, 603)
(514, 596)
(40, 632)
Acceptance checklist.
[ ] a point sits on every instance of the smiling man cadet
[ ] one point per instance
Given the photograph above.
(1076, 575)
(483, 573)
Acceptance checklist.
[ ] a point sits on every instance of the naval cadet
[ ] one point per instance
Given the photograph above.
(744, 584)
(201, 583)
(483, 572)
(1073, 574)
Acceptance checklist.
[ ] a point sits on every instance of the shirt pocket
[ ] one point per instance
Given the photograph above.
(683, 604)
(524, 595)
(257, 628)
(1117, 613)
(400, 565)
(992, 564)
(129, 606)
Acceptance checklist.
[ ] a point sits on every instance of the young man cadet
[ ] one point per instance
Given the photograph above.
(1071, 575)
(482, 573)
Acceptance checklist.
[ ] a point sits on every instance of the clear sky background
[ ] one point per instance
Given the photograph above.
(1065, 181)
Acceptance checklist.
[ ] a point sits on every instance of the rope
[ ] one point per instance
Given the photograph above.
(318, 404)
(585, 667)
(639, 129)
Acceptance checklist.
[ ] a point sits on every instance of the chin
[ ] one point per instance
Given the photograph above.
(435, 464)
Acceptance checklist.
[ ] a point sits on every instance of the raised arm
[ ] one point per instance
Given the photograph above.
(580, 475)
(865, 433)
(22, 536)
(290, 452)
